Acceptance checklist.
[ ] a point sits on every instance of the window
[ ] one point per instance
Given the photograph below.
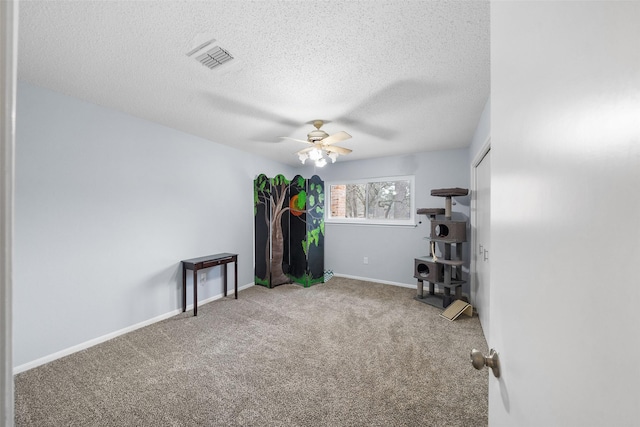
(387, 200)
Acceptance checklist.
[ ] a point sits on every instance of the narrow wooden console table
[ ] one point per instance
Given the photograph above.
(200, 263)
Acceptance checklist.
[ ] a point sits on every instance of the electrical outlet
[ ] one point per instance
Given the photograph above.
(203, 277)
(366, 260)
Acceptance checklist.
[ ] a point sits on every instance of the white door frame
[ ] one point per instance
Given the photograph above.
(8, 72)
(484, 149)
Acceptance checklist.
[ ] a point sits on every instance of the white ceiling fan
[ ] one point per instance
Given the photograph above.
(321, 143)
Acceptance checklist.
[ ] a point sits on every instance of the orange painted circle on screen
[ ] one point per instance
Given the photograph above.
(293, 206)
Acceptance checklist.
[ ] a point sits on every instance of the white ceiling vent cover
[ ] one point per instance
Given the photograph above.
(213, 57)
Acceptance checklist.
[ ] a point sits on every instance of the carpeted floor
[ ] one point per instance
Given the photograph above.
(343, 353)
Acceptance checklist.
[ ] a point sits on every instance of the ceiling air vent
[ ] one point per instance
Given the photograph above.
(209, 56)
(214, 57)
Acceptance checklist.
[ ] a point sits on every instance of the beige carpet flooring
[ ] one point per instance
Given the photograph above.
(343, 353)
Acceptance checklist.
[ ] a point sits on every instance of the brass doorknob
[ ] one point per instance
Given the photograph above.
(479, 361)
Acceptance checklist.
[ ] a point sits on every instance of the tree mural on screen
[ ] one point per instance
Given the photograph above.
(306, 230)
(291, 215)
(262, 227)
(273, 193)
(313, 244)
(315, 216)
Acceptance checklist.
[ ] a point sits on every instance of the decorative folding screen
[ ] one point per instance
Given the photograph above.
(289, 230)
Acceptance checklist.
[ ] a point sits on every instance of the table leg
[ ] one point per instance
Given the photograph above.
(236, 276)
(195, 291)
(184, 288)
(224, 266)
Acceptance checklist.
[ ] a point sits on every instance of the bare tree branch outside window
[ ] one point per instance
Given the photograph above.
(378, 200)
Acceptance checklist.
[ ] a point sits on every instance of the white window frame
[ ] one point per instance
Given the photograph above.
(411, 221)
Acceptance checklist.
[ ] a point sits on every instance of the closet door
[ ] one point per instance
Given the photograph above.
(483, 240)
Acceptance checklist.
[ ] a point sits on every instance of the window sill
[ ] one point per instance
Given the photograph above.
(371, 223)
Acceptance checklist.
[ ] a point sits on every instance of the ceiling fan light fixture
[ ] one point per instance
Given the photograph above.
(315, 154)
(321, 146)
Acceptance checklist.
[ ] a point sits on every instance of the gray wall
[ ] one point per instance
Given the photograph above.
(106, 206)
(392, 249)
(482, 132)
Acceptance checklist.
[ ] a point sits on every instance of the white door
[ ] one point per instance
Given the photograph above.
(565, 213)
(482, 241)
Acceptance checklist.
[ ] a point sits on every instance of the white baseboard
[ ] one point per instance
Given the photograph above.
(386, 282)
(82, 346)
(369, 279)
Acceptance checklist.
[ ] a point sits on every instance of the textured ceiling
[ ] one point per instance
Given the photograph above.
(399, 76)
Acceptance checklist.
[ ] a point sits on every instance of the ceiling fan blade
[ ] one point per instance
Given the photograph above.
(336, 137)
(297, 140)
(339, 150)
